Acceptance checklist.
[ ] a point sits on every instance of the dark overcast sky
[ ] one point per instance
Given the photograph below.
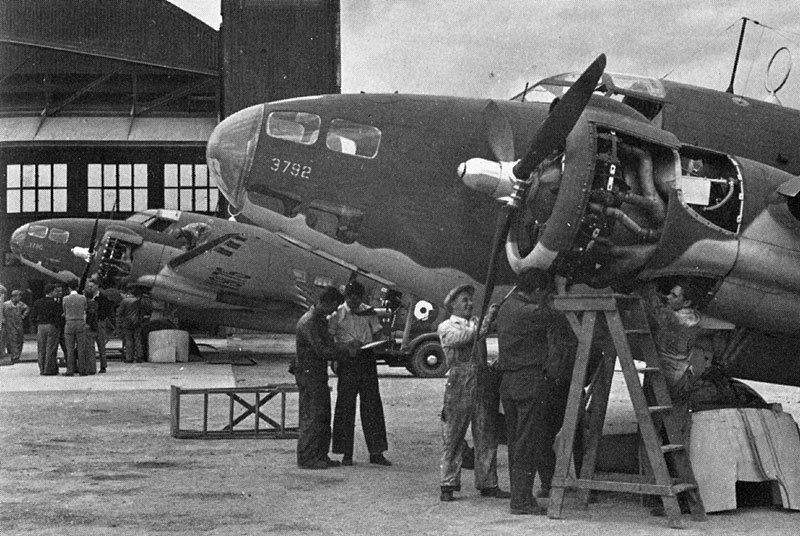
(490, 48)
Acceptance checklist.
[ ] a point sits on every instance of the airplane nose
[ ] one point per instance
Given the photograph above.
(230, 152)
(18, 239)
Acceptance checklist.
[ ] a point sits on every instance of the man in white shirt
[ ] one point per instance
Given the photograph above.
(461, 407)
(354, 323)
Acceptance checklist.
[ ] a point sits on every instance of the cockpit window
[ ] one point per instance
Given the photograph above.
(352, 138)
(158, 224)
(645, 95)
(39, 231)
(58, 235)
(299, 127)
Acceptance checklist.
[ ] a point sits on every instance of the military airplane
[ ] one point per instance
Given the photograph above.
(219, 272)
(209, 266)
(656, 180)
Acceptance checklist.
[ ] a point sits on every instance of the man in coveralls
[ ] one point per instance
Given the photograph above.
(315, 348)
(14, 313)
(355, 324)
(462, 404)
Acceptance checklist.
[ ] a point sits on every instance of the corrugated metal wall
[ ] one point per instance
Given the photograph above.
(277, 49)
(155, 31)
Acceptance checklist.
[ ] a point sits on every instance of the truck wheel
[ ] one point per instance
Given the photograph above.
(428, 361)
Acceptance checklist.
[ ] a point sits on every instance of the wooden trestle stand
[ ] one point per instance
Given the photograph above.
(627, 324)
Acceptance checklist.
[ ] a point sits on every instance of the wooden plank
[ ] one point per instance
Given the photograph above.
(174, 410)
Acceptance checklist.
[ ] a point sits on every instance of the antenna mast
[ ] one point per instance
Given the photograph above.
(738, 51)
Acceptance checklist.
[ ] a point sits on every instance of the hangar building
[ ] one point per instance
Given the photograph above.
(106, 105)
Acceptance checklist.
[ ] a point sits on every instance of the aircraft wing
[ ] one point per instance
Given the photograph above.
(335, 260)
(250, 269)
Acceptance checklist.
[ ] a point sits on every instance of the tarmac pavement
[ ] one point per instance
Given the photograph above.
(95, 456)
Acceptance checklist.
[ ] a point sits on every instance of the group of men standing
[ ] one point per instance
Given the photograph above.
(537, 350)
(75, 317)
(531, 377)
(337, 329)
(77, 322)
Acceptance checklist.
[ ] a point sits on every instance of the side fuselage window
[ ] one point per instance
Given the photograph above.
(298, 127)
(39, 231)
(59, 236)
(353, 138)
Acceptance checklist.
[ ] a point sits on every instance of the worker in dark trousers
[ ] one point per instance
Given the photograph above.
(315, 347)
(354, 323)
(523, 323)
(562, 345)
(47, 313)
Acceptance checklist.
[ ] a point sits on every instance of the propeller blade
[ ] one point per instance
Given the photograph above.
(499, 133)
(550, 136)
(88, 268)
(560, 122)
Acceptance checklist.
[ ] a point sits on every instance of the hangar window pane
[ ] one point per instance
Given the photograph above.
(60, 175)
(125, 178)
(109, 175)
(94, 197)
(28, 176)
(299, 127)
(354, 139)
(140, 175)
(44, 176)
(35, 188)
(28, 200)
(186, 174)
(171, 198)
(13, 176)
(186, 187)
(125, 200)
(139, 198)
(12, 201)
(108, 183)
(109, 198)
(201, 197)
(95, 175)
(171, 175)
(201, 175)
(60, 200)
(186, 198)
(45, 200)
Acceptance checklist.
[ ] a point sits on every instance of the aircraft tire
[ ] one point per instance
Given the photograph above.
(420, 365)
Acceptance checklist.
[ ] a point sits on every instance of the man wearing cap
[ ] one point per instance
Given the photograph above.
(14, 312)
(355, 324)
(457, 335)
(315, 347)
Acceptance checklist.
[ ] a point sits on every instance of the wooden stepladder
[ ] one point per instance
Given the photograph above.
(627, 324)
